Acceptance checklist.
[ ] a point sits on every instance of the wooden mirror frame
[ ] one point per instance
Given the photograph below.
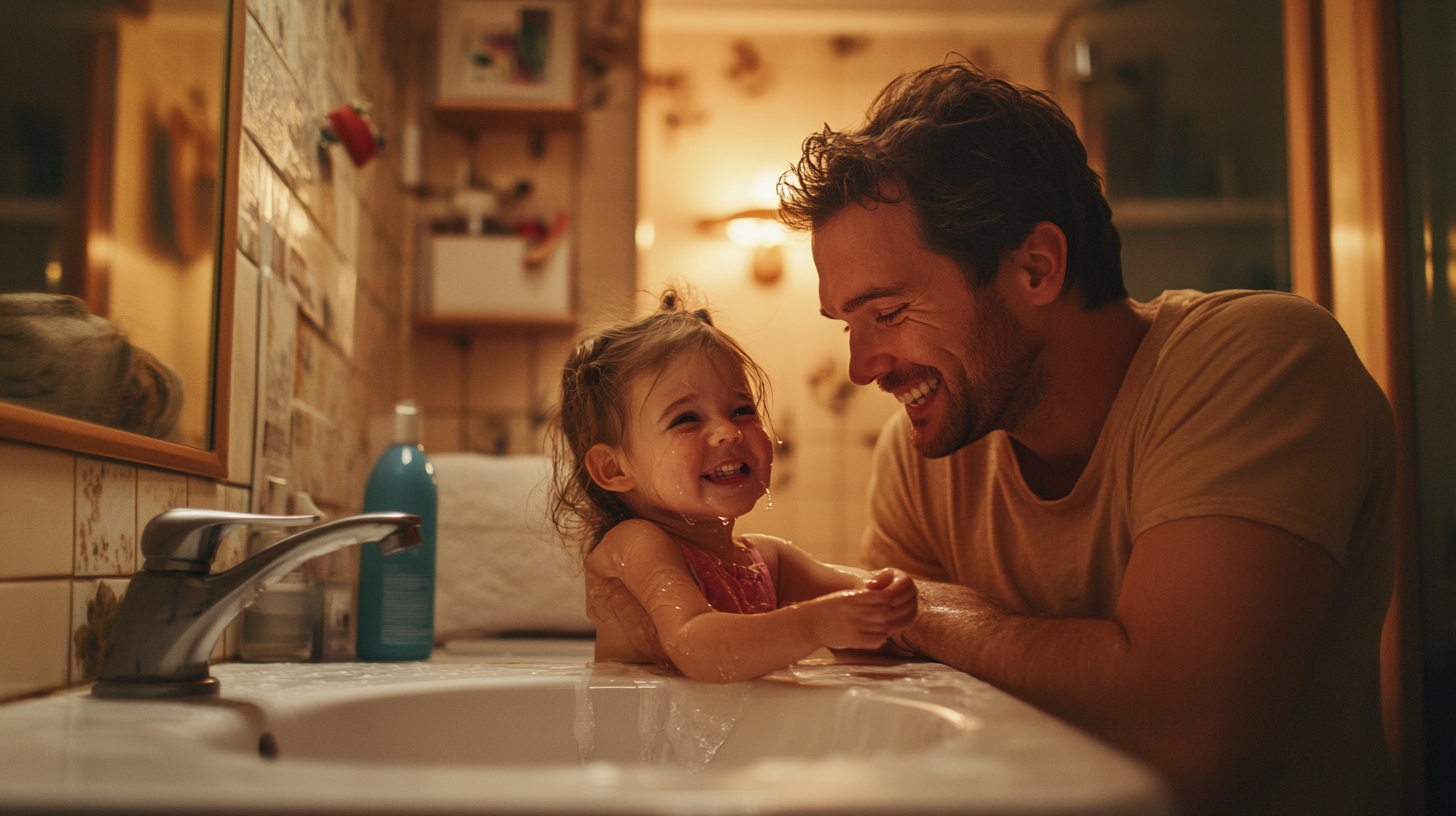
(51, 430)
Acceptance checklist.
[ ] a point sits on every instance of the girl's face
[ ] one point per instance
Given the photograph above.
(696, 448)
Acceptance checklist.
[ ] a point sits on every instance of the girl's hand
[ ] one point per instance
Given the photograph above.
(863, 618)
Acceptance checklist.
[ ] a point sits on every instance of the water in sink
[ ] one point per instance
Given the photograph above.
(624, 716)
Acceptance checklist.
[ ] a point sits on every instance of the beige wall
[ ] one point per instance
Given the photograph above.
(336, 294)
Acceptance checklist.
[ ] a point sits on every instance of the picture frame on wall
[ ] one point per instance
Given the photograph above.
(508, 54)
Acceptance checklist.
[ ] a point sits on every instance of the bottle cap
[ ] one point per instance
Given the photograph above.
(406, 424)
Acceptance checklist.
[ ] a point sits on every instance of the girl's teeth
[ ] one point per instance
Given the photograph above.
(915, 395)
(727, 470)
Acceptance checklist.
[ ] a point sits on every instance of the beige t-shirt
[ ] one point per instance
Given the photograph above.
(1243, 404)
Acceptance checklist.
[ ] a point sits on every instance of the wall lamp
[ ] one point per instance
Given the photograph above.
(759, 230)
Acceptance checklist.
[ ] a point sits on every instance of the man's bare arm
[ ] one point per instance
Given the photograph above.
(1214, 633)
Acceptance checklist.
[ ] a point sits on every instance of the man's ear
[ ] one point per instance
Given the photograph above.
(1040, 264)
(606, 466)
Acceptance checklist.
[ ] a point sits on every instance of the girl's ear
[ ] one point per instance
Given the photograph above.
(607, 468)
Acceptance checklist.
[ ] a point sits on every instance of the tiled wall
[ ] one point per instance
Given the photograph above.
(68, 544)
(330, 287)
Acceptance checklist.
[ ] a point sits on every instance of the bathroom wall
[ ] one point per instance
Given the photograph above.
(491, 389)
(324, 268)
(729, 95)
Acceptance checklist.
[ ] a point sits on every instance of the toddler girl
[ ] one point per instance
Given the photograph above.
(660, 446)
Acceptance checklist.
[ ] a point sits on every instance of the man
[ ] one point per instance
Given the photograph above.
(1168, 523)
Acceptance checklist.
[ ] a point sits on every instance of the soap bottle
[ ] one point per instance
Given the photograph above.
(396, 619)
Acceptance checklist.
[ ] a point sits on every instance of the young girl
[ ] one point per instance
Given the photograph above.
(660, 446)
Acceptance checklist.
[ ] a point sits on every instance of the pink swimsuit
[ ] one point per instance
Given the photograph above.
(731, 587)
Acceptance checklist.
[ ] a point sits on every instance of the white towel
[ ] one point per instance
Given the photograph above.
(500, 565)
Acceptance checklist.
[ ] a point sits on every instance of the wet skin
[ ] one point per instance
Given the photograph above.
(696, 456)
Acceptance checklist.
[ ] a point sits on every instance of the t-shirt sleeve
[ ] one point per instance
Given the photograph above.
(1262, 410)
(897, 533)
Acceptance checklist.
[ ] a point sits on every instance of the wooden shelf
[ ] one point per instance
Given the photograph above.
(31, 210)
(468, 117)
(1134, 213)
(448, 325)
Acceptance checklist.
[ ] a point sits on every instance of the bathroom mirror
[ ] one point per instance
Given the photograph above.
(119, 134)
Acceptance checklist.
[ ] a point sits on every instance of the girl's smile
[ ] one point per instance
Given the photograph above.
(695, 448)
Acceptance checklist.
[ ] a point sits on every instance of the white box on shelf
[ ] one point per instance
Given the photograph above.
(487, 276)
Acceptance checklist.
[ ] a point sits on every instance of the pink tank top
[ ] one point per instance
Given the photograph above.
(732, 587)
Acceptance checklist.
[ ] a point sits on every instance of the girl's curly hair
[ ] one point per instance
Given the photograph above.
(596, 383)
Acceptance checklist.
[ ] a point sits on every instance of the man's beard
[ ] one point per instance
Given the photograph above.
(1007, 389)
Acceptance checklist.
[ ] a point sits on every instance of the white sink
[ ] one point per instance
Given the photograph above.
(493, 734)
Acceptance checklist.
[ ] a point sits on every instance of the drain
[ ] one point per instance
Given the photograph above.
(267, 746)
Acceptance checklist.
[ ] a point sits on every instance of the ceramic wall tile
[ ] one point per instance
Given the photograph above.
(503, 373)
(106, 518)
(244, 373)
(436, 373)
(93, 608)
(37, 504)
(35, 618)
(323, 462)
(279, 324)
(274, 111)
(157, 492)
(440, 432)
(204, 494)
(251, 172)
(234, 547)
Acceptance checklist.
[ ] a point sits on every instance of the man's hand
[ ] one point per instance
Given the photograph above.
(863, 618)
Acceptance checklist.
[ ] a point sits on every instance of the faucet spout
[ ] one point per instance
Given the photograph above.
(171, 618)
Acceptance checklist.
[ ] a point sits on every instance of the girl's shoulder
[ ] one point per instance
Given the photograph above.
(763, 542)
(630, 539)
(768, 547)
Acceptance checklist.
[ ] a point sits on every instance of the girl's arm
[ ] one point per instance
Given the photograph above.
(723, 647)
(799, 576)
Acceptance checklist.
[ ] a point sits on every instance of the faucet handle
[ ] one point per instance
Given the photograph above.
(186, 540)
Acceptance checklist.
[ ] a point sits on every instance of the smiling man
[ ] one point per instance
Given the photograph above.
(1167, 522)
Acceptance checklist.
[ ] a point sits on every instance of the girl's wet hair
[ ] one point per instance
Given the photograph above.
(596, 383)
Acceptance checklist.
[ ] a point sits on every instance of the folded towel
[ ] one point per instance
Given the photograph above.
(500, 565)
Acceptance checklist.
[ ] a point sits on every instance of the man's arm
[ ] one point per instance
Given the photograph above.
(1215, 630)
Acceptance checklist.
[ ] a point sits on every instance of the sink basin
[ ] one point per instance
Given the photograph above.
(503, 734)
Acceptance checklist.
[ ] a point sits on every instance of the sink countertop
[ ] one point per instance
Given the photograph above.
(73, 753)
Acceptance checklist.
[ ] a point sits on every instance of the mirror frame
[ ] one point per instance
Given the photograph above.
(51, 430)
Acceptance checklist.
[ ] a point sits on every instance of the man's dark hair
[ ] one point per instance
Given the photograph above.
(981, 160)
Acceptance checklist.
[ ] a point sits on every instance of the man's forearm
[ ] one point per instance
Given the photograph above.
(1069, 667)
(1197, 671)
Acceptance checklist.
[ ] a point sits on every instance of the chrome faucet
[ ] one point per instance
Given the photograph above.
(174, 610)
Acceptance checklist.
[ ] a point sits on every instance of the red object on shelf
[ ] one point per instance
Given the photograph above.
(355, 133)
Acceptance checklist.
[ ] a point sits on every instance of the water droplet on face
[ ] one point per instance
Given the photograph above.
(768, 498)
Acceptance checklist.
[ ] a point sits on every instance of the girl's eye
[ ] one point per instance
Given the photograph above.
(681, 419)
(746, 410)
(892, 317)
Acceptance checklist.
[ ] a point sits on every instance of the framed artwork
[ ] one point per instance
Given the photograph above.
(508, 53)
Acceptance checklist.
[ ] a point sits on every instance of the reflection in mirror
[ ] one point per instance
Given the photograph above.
(111, 117)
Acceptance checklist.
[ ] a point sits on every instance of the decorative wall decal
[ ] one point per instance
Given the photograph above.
(844, 46)
(748, 70)
(680, 99)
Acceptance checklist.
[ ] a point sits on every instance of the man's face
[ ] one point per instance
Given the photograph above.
(955, 357)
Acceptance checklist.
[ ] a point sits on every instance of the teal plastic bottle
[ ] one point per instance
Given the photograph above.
(397, 592)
